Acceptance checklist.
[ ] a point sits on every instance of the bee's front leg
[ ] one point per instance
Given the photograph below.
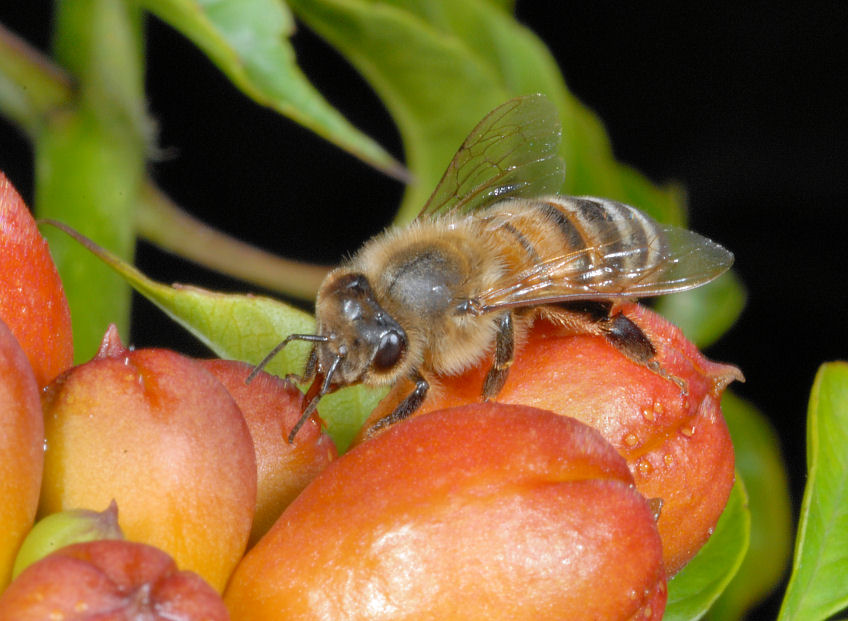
(406, 407)
(309, 370)
(504, 355)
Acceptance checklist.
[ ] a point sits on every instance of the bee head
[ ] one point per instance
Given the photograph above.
(363, 342)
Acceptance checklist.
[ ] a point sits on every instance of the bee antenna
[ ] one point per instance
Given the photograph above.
(314, 338)
(313, 403)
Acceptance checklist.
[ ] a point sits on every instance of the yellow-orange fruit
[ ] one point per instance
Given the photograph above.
(159, 434)
(21, 450)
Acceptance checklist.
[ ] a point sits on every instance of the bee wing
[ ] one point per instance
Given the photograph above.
(513, 151)
(671, 259)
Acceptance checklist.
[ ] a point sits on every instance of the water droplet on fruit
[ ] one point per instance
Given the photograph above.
(631, 440)
(668, 459)
(644, 467)
(688, 430)
(648, 415)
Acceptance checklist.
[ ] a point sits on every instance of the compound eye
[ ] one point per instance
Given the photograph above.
(389, 351)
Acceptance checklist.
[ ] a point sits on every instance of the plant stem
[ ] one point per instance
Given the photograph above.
(90, 158)
(30, 85)
(162, 222)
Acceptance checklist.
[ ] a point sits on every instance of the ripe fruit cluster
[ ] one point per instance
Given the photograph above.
(543, 505)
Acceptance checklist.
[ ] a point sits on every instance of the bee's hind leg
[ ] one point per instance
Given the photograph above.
(599, 317)
(504, 354)
(629, 339)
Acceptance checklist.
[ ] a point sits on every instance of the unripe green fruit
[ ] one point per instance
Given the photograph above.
(64, 528)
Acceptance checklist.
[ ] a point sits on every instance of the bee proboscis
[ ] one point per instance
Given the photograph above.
(494, 248)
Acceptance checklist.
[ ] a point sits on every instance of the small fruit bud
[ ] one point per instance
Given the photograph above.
(65, 528)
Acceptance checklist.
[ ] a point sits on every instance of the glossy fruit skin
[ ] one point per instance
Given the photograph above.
(21, 449)
(159, 434)
(32, 300)
(480, 512)
(677, 445)
(271, 407)
(109, 579)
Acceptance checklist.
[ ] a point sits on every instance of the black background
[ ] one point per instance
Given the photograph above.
(745, 105)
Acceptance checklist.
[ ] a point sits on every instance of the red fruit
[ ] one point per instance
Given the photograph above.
(271, 407)
(109, 579)
(486, 511)
(677, 445)
(159, 434)
(21, 449)
(32, 300)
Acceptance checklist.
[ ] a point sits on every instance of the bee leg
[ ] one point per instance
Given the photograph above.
(406, 407)
(308, 371)
(600, 318)
(629, 339)
(504, 353)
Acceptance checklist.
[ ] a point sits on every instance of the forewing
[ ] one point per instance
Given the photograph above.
(512, 152)
(674, 259)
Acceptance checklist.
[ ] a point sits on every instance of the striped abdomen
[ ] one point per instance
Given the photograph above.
(586, 242)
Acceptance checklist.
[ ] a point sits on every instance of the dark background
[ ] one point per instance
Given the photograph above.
(745, 105)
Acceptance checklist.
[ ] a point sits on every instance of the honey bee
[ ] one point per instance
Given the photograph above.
(493, 249)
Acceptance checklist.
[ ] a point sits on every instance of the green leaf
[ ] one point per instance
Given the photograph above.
(441, 65)
(693, 590)
(817, 588)
(705, 313)
(247, 327)
(760, 464)
(247, 40)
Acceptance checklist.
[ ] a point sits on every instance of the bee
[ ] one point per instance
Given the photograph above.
(493, 249)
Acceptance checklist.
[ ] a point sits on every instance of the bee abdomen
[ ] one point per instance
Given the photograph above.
(604, 237)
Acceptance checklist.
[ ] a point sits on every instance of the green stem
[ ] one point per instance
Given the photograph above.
(162, 222)
(90, 158)
(30, 85)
